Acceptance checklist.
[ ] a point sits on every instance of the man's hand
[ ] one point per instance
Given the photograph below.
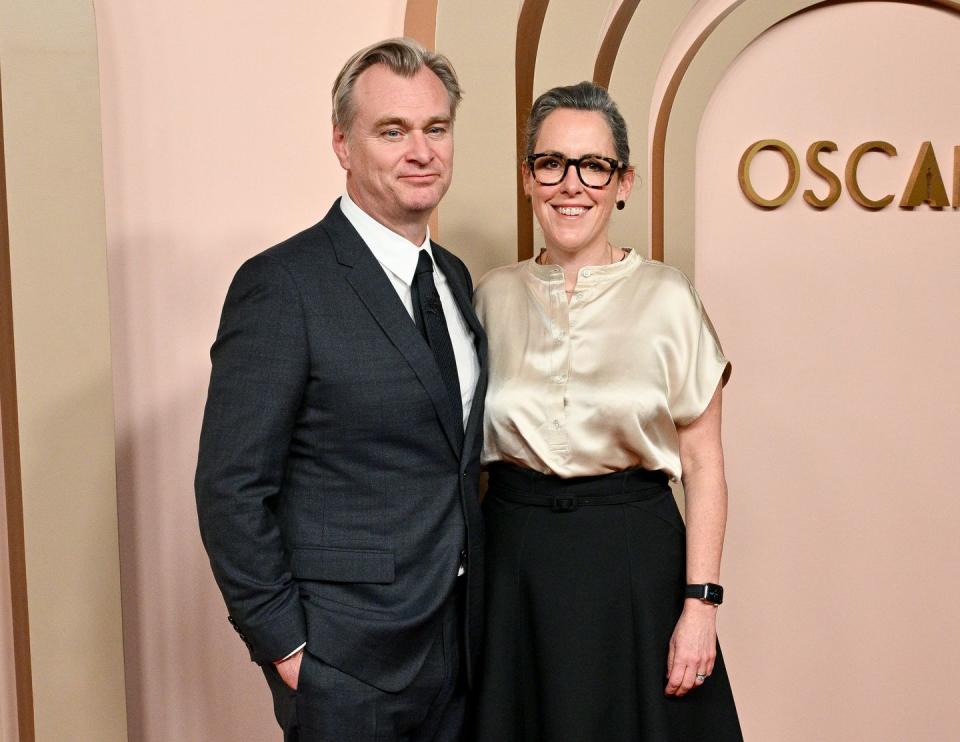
(289, 669)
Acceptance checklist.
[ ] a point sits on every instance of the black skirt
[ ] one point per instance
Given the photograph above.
(582, 599)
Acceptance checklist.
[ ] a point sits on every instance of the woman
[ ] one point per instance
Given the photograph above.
(605, 383)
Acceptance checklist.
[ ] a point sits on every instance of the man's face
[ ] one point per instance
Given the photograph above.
(398, 153)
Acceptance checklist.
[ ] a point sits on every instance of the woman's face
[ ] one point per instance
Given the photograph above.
(574, 217)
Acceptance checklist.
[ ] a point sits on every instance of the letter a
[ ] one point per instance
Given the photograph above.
(926, 182)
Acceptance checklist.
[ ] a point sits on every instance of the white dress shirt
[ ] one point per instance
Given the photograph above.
(398, 258)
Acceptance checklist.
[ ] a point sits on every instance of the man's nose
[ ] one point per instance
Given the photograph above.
(419, 148)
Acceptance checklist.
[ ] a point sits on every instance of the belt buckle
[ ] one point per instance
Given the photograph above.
(563, 504)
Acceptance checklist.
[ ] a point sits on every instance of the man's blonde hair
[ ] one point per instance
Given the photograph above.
(404, 57)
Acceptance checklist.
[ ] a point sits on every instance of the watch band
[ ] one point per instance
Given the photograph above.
(708, 592)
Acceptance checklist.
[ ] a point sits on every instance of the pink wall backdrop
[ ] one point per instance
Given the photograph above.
(216, 145)
(839, 428)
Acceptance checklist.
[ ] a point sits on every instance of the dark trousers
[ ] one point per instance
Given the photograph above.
(331, 706)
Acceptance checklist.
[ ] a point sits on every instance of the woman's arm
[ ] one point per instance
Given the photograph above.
(693, 646)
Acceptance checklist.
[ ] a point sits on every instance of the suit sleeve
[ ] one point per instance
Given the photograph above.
(260, 368)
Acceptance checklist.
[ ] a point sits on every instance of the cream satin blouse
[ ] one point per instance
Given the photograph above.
(598, 383)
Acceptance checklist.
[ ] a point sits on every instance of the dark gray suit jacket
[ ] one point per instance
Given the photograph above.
(334, 498)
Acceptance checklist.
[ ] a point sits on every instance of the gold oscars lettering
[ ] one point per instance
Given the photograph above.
(924, 186)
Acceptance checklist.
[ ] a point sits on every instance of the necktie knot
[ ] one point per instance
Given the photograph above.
(424, 263)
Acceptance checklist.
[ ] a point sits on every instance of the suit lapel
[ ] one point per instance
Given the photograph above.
(368, 280)
(464, 301)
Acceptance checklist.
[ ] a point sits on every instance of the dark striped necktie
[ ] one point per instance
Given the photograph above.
(428, 314)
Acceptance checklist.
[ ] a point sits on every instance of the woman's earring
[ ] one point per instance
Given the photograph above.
(620, 204)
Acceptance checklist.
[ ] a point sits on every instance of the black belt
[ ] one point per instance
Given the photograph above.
(527, 487)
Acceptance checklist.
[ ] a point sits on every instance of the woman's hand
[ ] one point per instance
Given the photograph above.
(693, 647)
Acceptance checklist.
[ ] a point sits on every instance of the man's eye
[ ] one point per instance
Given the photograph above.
(437, 131)
(392, 134)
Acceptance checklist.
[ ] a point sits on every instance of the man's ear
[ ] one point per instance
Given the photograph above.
(341, 147)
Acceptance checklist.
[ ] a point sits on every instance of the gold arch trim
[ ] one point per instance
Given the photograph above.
(529, 28)
(13, 486)
(610, 46)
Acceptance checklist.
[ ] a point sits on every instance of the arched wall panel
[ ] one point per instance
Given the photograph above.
(634, 74)
(678, 113)
(839, 457)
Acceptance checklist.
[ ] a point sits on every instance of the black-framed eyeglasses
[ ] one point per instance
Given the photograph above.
(594, 171)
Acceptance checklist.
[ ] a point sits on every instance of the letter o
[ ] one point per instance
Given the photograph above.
(793, 178)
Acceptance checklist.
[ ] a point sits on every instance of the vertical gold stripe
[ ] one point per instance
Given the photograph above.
(420, 23)
(610, 46)
(528, 43)
(9, 434)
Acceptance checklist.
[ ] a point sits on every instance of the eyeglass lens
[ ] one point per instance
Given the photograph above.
(592, 171)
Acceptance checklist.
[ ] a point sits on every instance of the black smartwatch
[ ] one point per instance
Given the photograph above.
(709, 593)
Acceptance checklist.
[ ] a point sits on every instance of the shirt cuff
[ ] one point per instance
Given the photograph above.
(298, 649)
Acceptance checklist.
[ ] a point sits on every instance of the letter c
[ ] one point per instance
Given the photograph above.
(851, 174)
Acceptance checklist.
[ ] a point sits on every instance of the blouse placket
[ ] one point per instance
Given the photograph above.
(555, 385)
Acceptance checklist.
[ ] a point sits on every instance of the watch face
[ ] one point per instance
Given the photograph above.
(714, 593)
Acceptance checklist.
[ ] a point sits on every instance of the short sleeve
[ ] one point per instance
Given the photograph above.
(703, 366)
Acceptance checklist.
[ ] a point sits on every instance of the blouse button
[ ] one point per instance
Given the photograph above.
(556, 423)
(586, 274)
(560, 378)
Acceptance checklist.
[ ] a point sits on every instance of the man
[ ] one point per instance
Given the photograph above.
(339, 457)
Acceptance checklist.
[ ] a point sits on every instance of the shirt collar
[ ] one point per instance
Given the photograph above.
(589, 274)
(395, 253)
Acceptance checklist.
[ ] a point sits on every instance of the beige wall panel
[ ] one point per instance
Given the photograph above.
(631, 85)
(478, 216)
(571, 36)
(840, 446)
(61, 323)
(216, 121)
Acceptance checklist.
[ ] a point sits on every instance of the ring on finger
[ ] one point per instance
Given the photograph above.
(701, 677)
